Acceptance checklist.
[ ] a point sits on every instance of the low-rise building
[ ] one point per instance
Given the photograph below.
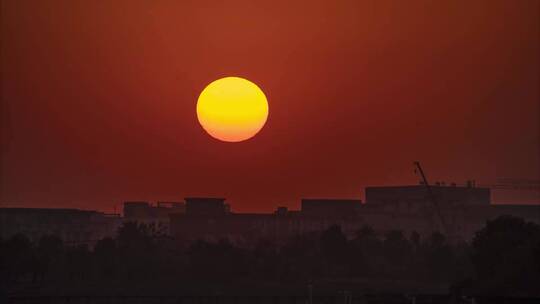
(156, 217)
(72, 225)
(456, 211)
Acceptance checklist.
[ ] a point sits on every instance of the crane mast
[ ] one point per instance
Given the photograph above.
(432, 197)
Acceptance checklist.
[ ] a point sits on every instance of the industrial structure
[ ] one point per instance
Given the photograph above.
(463, 210)
(456, 211)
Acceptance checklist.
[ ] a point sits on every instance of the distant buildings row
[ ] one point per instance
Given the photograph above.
(455, 211)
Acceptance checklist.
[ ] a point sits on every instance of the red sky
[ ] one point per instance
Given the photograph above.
(98, 98)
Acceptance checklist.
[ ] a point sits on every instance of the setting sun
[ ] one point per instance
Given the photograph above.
(232, 109)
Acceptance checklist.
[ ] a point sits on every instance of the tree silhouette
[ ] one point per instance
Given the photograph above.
(216, 261)
(78, 262)
(136, 250)
(438, 257)
(18, 258)
(49, 252)
(369, 252)
(335, 250)
(265, 258)
(505, 256)
(398, 253)
(301, 258)
(106, 258)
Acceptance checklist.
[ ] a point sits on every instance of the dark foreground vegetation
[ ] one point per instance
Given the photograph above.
(502, 260)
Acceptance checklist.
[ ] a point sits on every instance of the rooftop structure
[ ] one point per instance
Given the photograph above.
(144, 210)
(407, 208)
(446, 196)
(206, 206)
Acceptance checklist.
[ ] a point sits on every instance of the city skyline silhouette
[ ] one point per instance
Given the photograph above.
(285, 152)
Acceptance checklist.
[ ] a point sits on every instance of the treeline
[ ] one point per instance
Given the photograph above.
(503, 258)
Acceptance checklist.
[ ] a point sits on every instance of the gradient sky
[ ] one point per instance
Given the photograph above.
(98, 98)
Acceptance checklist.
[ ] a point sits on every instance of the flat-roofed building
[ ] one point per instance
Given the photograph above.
(446, 196)
(464, 211)
(324, 207)
(71, 225)
(156, 217)
(206, 206)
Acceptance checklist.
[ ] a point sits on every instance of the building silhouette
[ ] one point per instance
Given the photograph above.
(463, 209)
(71, 225)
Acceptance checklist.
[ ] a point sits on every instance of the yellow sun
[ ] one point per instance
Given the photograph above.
(232, 109)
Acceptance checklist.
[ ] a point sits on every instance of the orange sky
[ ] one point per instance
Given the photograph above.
(98, 98)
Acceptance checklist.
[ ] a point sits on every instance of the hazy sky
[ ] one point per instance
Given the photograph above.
(98, 98)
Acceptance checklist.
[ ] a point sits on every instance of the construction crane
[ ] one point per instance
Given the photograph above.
(432, 197)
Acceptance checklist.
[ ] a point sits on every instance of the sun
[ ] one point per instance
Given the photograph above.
(232, 109)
